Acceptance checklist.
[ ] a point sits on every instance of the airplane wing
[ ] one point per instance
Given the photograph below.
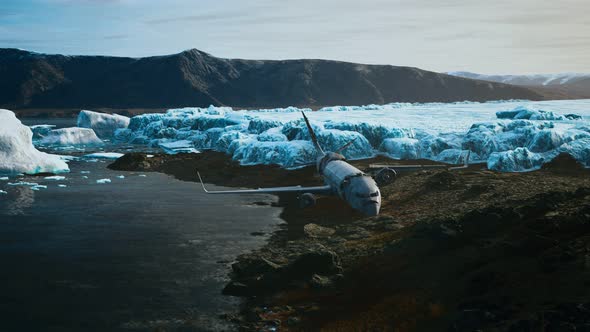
(412, 168)
(271, 190)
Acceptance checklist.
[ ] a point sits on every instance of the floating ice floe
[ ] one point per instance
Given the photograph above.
(4, 178)
(17, 153)
(23, 183)
(84, 172)
(62, 186)
(104, 125)
(105, 155)
(436, 131)
(102, 181)
(2, 192)
(32, 185)
(121, 176)
(68, 158)
(56, 178)
(70, 137)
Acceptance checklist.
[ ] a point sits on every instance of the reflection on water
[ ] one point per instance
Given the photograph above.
(140, 253)
(17, 200)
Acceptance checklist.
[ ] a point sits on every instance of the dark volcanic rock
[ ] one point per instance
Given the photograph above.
(255, 275)
(563, 163)
(323, 262)
(253, 265)
(134, 161)
(195, 78)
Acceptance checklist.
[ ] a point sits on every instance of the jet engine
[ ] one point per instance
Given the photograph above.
(385, 176)
(306, 200)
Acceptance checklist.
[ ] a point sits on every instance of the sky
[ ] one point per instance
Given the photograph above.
(484, 36)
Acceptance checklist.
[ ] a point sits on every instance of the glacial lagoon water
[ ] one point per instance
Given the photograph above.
(138, 253)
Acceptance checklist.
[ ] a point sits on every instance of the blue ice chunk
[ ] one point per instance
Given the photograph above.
(257, 126)
(333, 140)
(401, 148)
(517, 160)
(272, 135)
(431, 146)
(456, 156)
(288, 154)
(523, 112)
(579, 149)
(375, 134)
(104, 125)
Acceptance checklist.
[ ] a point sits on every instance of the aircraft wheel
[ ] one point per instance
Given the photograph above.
(307, 200)
(385, 176)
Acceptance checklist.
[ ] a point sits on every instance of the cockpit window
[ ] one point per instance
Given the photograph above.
(360, 195)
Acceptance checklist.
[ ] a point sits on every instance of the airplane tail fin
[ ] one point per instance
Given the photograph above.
(313, 136)
(466, 160)
(346, 145)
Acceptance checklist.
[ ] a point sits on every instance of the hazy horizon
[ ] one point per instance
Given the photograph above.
(502, 37)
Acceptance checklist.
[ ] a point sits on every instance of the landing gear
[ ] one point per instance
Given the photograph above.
(385, 176)
(306, 200)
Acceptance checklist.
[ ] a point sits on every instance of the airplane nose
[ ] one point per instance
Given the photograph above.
(371, 208)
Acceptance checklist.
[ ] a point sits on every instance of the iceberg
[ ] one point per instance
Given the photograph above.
(103, 181)
(105, 155)
(17, 153)
(40, 131)
(71, 136)
(104, 125)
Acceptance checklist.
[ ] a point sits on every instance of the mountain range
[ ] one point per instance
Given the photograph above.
(195, 78)
(569, 85)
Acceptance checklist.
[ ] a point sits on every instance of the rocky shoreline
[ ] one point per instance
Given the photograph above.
(457, 251)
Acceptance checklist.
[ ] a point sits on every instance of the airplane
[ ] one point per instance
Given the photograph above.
(349, 183)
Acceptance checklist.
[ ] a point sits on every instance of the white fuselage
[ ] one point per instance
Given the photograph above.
(350, 184)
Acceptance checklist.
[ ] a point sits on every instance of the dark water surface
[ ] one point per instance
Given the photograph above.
(138, 253)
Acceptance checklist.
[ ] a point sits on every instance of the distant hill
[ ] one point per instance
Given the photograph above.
(569, 85)
(195, 78)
